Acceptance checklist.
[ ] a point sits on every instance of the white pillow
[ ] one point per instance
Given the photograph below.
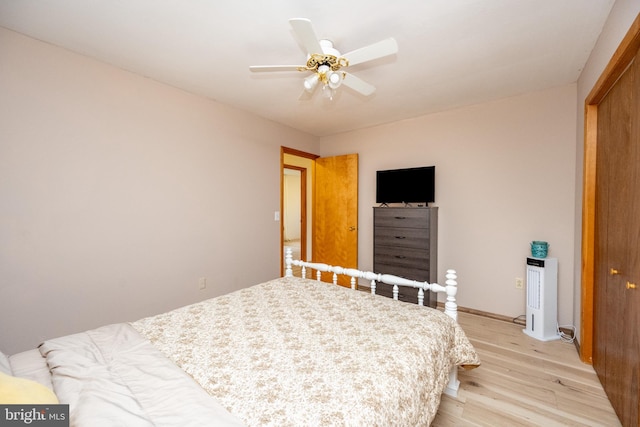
(5, 366)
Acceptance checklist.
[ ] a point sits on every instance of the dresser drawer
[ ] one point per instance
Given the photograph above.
(402, 256)
(401, 217)
(417, 238)
(408, 272)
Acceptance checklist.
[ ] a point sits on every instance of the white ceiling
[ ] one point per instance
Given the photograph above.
(451, 52)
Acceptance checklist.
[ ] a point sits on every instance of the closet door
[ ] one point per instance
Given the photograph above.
(630, 410)
(617, 270)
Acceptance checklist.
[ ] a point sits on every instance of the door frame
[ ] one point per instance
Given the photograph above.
(298, 153)
(619, 62)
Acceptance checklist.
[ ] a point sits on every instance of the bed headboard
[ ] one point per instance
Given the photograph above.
(450, 288)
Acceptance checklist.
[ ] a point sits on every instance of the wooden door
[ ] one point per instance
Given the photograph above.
(335, 212)
(616, 345)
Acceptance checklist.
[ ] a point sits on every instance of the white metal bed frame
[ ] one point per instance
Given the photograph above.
(450, 288)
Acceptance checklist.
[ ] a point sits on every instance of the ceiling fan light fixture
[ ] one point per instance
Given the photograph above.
(328, 92)
(311, 82)
(334, 80)
(323, 69)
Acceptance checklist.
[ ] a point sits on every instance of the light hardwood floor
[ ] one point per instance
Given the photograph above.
(524, 382)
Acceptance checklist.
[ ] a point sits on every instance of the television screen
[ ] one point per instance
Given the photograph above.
(413, 185)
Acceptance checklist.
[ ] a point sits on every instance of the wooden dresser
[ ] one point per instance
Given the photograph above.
(405, 241)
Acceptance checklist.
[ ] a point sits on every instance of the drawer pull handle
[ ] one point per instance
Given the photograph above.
(401, 217)
(400, 237)
(401, 257)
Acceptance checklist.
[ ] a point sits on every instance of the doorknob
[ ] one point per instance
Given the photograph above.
(631, 285)
(613, 272)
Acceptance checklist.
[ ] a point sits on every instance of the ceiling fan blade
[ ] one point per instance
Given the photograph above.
(358, 84)
(373, 51)
(260, 68)
(304, 30)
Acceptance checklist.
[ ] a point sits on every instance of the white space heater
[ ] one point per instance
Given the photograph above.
(542, 299)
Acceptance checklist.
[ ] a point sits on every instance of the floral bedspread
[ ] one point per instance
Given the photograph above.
(296, 352)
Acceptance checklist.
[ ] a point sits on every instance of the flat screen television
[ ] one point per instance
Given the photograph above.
(413, 185)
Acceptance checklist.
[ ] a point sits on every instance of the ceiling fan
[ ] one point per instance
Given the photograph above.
(327, 64)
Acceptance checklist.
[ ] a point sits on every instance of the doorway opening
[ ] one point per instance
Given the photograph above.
(296, 204)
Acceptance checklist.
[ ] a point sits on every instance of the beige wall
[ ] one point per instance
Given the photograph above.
(118, 193)
(622, 15)
(504, 177)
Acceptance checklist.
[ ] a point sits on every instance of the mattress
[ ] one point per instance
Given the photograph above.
(294, 352)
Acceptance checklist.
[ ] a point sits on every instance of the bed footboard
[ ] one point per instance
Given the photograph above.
(450, 289)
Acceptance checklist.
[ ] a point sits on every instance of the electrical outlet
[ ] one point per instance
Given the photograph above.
(519, 283)
(202, 283)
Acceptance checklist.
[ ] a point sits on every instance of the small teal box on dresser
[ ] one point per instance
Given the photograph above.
(405, 242)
